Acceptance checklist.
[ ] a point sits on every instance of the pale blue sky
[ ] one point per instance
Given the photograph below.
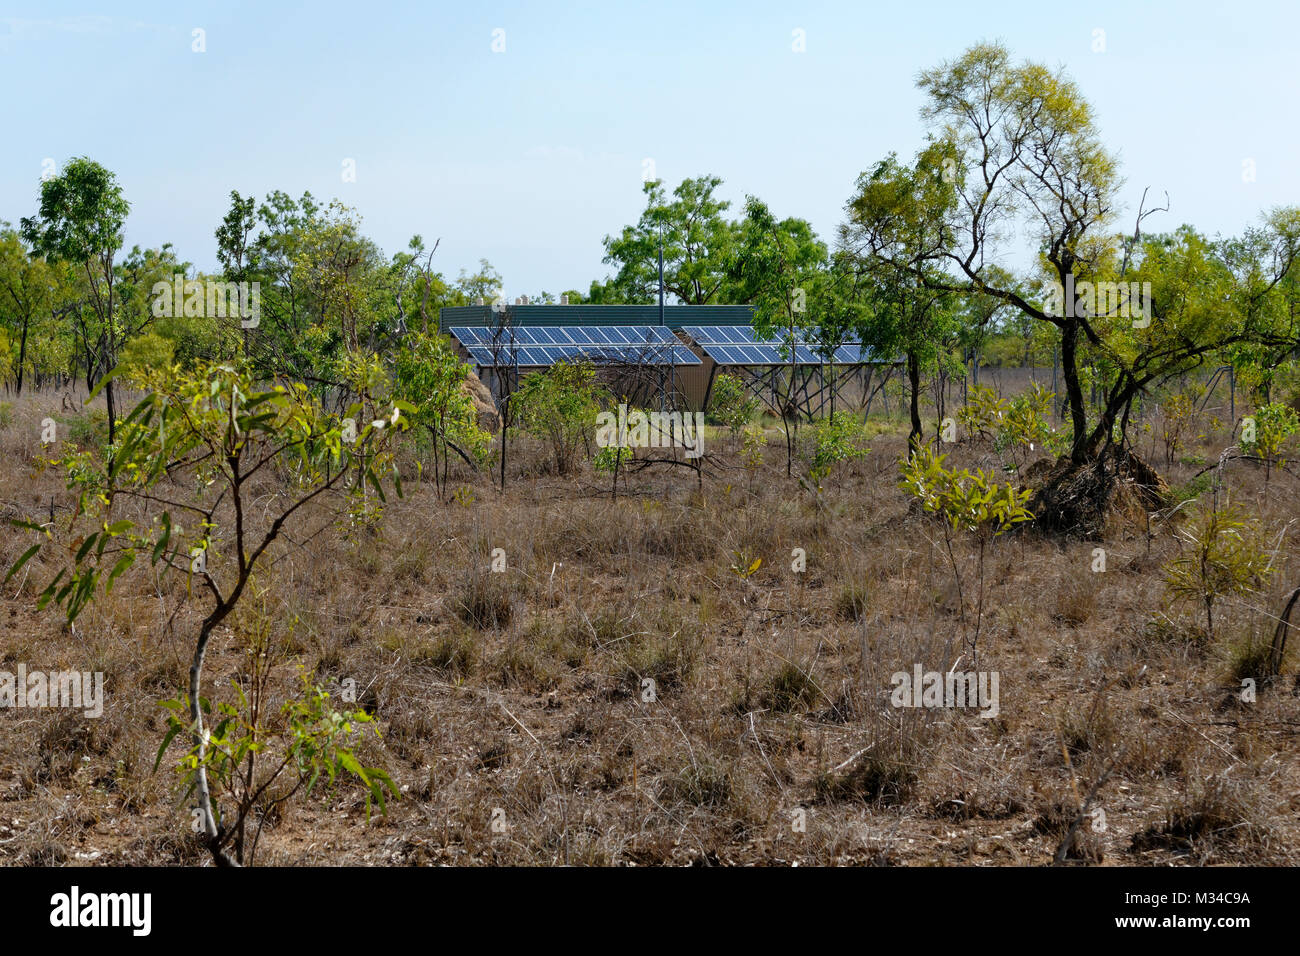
(528, 157)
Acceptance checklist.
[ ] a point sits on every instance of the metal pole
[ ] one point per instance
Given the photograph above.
(661, 273)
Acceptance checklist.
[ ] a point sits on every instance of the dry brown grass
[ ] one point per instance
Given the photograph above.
(520, 697)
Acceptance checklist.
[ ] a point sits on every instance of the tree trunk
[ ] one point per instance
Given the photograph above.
(914, 387)
(204, 795)
(1074, 392)
(22, 355)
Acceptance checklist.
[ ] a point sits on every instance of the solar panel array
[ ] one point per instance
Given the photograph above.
(739, 345)
(540, 346)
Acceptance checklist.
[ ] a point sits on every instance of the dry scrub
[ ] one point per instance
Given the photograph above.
(623, 694)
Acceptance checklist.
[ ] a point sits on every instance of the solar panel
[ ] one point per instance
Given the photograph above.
(739, 345)
(540, 346)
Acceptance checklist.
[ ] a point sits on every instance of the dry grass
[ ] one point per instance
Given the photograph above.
(514, 708)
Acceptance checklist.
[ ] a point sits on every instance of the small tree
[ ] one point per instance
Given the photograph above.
(970, 503)
(1270, 427)
(1225, 558)
(429, 375)
(559, 406)
(193, 446)
(833, 441)
(730, 404)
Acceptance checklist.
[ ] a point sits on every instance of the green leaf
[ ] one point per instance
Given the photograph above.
(163, 749)
(124, 562)
(101, 383)
(86, 546)
(26, 556)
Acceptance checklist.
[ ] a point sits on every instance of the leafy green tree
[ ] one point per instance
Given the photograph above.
(697, 247)
(776, 266)
(1017, 144)
(416, 288)
(834, 440)
(144, 356)
(1269, 429)
(192, 448)
(27, 291)
(894, 225)
(730, 404)
(968, 502)
(1224, 556)
(485, 283)
(192, 336)
(81, 220)
(429, 375)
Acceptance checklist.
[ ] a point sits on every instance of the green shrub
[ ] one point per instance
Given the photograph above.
(559, 406)
(730, 404)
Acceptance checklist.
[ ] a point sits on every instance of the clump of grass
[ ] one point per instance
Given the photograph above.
(410, 564)
(561, 647)
(1093, 730)
(67, 739)
(1164, 631)
(89, 431)
(494, 756)
(851, 603)
(485, 602)
(668, 661)
(456, 653)
(1249, 658)
(790, 688)
(876, 776)
(523, 665)
(704, 783)
(1216, 811)
(1055, 821)
(606, 628)
(1076, 600)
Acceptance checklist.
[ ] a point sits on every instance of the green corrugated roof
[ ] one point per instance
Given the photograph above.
(675, 316)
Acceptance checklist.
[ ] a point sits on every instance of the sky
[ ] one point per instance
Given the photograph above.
(520, 133)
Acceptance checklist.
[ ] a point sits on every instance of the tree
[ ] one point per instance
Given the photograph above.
(967, 502)
(27, 286)
(81, 220)
(893, 227)
(559, 405)
(776, 264)
(429, 375)
(1017, 146)
(697, 247)
(485, 284)
(1226, 556)
(427, 289)
(195, 445)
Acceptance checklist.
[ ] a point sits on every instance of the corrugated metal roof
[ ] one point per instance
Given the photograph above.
(675, 316)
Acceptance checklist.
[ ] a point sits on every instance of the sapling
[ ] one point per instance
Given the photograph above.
(192, 447)
(970, 503)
